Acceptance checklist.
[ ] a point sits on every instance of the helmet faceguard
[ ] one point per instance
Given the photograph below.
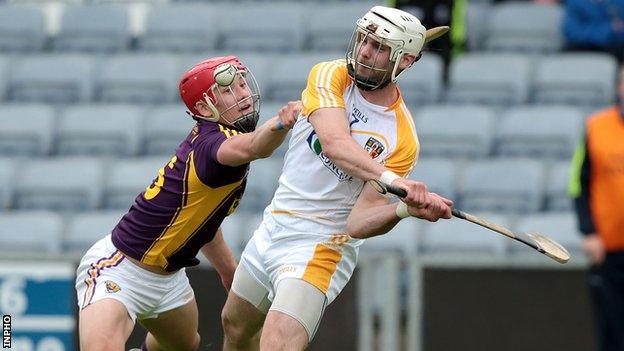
(228, 89)
(391, 29)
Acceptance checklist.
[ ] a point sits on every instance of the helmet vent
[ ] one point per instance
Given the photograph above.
(407, 19)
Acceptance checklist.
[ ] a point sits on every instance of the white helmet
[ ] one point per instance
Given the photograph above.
(400, 31)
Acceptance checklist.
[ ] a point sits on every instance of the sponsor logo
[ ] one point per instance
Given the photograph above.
(374, 147)
(286, 269)
(112, 287)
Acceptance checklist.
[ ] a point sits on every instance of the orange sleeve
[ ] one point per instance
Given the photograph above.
(327, 82)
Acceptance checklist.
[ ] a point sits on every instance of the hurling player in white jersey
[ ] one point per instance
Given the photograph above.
(354, 127)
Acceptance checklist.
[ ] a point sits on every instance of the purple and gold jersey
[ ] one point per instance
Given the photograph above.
(184, 206)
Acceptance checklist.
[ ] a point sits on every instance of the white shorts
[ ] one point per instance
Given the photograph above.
(276, 252)
(105, 273)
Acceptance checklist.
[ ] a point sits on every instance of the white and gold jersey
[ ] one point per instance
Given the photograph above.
(314, 192)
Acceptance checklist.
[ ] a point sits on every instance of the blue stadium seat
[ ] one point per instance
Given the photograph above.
(58, 79)
(4, 76)
(127, 178)
(539, 131)
(456, 236)
(338, 24)
(179, 28)
(31, 231)
(259, 27)
(21, 28)
(261, 185)
(100, 130)
(404, 238)
(290, 74)
(423, 83)
(85, 229)
(93, 28)
(524, 27)
(455, 131)
(59, 184)
(502, 185)
(494, 79)
(440, 175)
(7, 182)
(164, 129)
(557, 197)
(138, 79)
(26, 129)
(581, 79)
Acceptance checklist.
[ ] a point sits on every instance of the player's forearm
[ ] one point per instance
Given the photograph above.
(220, 255)
(265, 140)
(372, 221)
(351, 158)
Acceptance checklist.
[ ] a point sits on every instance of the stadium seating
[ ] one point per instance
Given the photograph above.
(21, 29)
(337, 27)
(260, 28)
(78, 31)
(502, 185)
(31, 231)
(456, 236)
(455, 131)
(423, 83)
(7, 182)
(164, 129)
(138, 79)
(581, 79)
(404, 238)
(180, 28)
(85, 229)
(128, 178)
(557, 196)
(539, 131)
(4, 76)
(289, 77)
(495, 79)
(524, 27)
(261, 185)
(60, 184)
(27, 129)
(52, 78)
(100, 130)
(440, 175)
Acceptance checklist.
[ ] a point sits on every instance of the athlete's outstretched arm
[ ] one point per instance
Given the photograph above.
(332, 128)
(221, 258)
(244, 148)
(373, 214)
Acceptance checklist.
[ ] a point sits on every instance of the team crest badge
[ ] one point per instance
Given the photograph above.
(374, 147)
(112, 287)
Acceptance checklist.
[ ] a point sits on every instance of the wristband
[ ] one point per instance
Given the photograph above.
(401, 210)
(387, 177)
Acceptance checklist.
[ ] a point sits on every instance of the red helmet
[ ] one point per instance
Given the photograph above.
(200, 79)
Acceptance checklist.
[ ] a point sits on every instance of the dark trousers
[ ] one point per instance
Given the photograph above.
(606, 286)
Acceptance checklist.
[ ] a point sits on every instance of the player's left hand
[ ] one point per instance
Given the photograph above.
(288, 114)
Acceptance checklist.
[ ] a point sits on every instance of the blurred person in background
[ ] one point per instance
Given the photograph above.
(435, 13)
(595, 25)
(354, 130)
(138, 271)
(597, 186)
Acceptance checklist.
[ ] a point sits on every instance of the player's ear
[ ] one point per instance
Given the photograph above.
(408, 59)
(203, 109)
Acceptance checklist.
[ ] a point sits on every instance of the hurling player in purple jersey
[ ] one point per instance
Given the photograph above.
(138, 271)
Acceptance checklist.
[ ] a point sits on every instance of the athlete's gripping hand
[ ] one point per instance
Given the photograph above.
(438, 207)
(288, 115)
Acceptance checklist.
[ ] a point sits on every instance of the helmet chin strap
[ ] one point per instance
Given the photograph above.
(366, 84)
